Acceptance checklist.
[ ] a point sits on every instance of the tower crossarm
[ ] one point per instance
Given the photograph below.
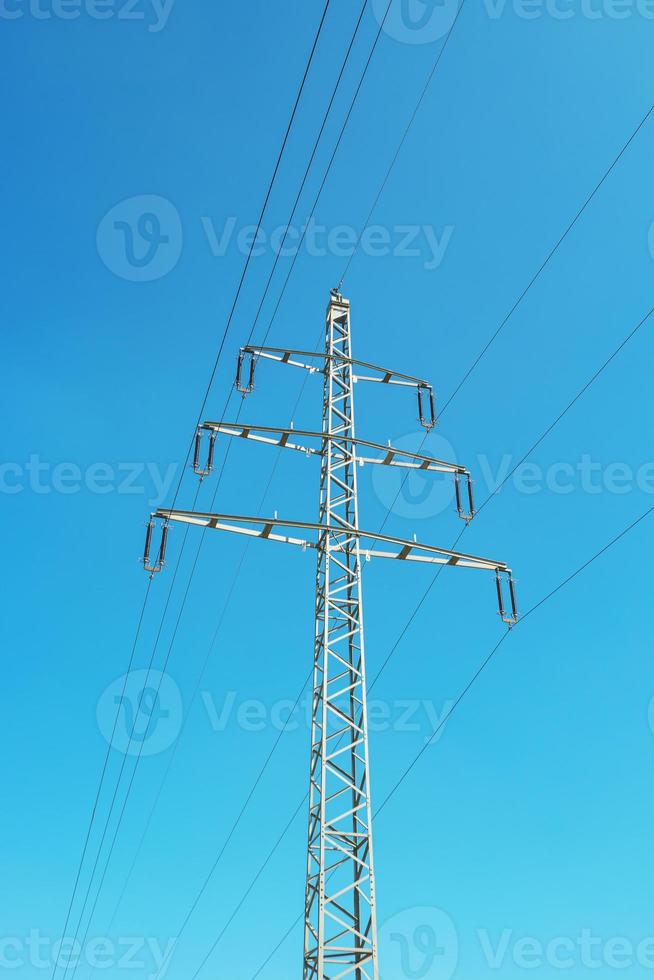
(287, 355)
(328, 363)
(387, 455)
(397, 548)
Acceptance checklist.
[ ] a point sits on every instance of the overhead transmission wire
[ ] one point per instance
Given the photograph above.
(555, 248)
(118, 782)
(316, 200)
(400, 145)
(496, 490)
(375, 202)
(632, 333)
(204, 401)
(525, 291)
(421, 97)
(536, 275)
(429, 588)
(538, 605)
(106, 759)
(325, 176)
(189, 709)
(509, 315)
(381, 189)
(466, 690)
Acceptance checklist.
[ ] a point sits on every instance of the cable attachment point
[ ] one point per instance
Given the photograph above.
(511, 618)
(197, 469)
(156, 566)
(427, 419)
(465, 514)
(245, 388)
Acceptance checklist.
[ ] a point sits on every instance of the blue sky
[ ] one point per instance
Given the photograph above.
(527, 823)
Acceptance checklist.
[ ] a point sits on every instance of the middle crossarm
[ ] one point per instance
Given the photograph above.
(388, 455)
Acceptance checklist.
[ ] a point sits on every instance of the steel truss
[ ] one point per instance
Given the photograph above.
(340, 934)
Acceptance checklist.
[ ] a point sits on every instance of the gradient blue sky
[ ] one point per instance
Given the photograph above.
(533, 812)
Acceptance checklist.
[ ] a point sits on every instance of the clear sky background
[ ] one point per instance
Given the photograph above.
(530, 818)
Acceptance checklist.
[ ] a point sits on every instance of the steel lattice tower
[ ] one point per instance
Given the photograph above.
(340, 935)
(340, 919)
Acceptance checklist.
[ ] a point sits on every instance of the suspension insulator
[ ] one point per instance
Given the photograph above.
(212, 444)
(466, 513)
(426, 413)
(148, 542)
(245, 387)
(196, 452)
(150, 566)
(514, 601)
(197, 468)
(162, 547)
(510, 618)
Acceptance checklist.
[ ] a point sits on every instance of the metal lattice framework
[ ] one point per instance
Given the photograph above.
(340, 934)
(340, 920)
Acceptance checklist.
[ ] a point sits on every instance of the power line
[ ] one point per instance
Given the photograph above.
(322, 185)
(491, 655)
(573, 401)
(106, 761)
(549, 256)
(204, 401)
(466, 690)
(324, 179)
(237, 821)
(256, 235)
(412, 118)
(248, 890)
(330, 164)
(192, 701)
(117, 787)
(308, 168)
(632, 333)
(527, 289)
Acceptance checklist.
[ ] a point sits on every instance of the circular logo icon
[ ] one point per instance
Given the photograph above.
(418, 944)
(416, 494)
(141, 713)
(416, 21)
(140, 239)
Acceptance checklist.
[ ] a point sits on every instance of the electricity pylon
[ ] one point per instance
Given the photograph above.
(340, 927)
